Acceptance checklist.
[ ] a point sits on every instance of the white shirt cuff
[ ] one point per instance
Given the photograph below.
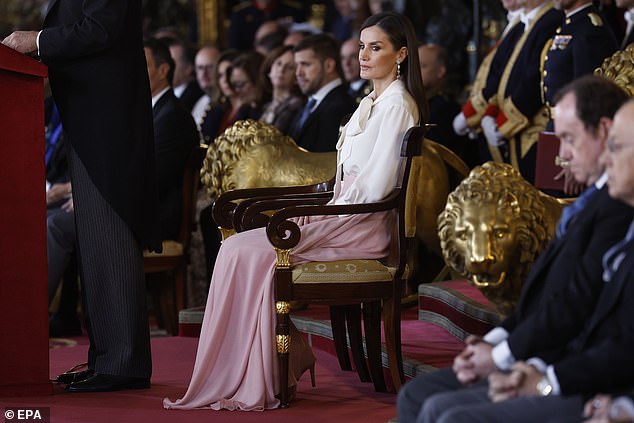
(502, 356)
(37, 42)
(496, 335)
(622, 405)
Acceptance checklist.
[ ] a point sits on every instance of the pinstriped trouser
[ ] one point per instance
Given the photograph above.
(111, 265)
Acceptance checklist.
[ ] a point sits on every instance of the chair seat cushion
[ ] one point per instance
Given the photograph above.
(342, 271)
(170, 249)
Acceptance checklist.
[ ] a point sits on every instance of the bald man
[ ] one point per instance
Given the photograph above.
(205, 67)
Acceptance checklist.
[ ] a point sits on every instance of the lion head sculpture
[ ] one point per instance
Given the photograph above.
(494, 226)
(253, 154)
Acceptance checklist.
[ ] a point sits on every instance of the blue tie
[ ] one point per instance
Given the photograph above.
(305, 113)
(614, 256)
(574, 209)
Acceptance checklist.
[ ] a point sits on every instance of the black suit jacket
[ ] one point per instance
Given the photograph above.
(98, 76)
(562, 287)
(601, 358)
(321, 130)
(175, 135)
(190, 95)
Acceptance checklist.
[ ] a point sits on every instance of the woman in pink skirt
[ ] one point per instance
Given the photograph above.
(236, 362)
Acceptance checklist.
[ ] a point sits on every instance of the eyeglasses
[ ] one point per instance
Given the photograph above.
(208, 68)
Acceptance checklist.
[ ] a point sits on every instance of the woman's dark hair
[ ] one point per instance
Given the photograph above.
(268, 64)
(225, 56)
(250, 62)
(401, 33)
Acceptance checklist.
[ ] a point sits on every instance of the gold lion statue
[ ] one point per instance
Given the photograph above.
(252, 154)
(494, 226)
(620, 68)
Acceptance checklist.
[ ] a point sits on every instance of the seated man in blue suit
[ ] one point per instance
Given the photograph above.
(318, 71)
(562, 288)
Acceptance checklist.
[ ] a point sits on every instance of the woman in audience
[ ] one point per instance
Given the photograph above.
(215, 118)
(245, 80)
(236, 364)
(287, 98)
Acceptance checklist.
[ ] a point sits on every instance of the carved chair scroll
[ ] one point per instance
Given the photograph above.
(379, 288)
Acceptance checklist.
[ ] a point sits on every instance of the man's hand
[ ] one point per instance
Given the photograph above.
(597, 409)
(522, 381)
(503, 386)
(474, 362)
(571, 186)
(22, 41)
(68, 206)
(58, 192)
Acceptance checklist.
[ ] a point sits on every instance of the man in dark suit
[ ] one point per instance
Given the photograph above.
(566, 276)
(318, 71)
(598, 358)
(99, 80)
(357, 87)
(184, 84)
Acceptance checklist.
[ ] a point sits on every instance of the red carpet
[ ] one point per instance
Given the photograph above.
(338, 397)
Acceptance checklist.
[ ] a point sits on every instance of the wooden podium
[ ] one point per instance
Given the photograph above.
(24, 366)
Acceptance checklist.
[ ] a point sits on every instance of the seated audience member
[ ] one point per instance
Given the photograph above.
(175, 135)
(295, 36)
(186, 87)
(563, 285)
(287, 99)
(357, 87)
(213, 114)
(318, 72)
(243, 94)
(269, 36)
(442, 106)
(205, 65)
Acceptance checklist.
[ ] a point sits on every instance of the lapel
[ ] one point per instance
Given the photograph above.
(160, 104)
(313, 115)
(614, 289)
(51, 4)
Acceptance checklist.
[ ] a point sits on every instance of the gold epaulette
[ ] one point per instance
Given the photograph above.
(595, 19)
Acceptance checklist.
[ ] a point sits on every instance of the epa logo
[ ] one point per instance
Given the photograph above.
(27, 414)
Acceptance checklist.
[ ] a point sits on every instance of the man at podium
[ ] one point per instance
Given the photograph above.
(98, 76)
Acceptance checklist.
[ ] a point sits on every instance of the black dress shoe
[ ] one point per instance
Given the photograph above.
(100, 382)
(71, 377)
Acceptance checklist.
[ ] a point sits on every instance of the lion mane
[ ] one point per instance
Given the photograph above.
(503, 186)
(253, 154)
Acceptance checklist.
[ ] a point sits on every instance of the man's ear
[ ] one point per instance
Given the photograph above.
(330, 65)
(164, 69)
(603, 129)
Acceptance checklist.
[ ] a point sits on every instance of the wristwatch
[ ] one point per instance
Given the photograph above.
(544, 387)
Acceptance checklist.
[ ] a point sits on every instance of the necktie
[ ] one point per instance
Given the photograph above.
(574, 209)
(305, 113)
(614, 256)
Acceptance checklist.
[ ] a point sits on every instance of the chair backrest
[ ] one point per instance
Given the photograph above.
(191, 181)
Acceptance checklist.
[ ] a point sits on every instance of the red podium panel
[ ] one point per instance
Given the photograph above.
(24, 366)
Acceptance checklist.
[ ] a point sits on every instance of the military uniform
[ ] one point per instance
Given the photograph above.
(522, 114)
(360, 91)
(245, 18)
(578, 48)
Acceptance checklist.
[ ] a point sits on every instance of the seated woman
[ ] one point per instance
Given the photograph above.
(287, 100)
(236, 363)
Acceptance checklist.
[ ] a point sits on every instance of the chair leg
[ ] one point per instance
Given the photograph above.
(282, 344)
(353, 323)
(372, 326)
(338, 324)
(392, 326)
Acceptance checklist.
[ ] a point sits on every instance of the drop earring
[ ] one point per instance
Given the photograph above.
(398, 69)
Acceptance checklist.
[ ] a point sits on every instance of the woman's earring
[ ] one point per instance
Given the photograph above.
(398, 69)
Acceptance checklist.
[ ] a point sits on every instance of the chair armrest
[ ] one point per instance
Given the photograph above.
(251, 213)
(285, 234)
(224, 206)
